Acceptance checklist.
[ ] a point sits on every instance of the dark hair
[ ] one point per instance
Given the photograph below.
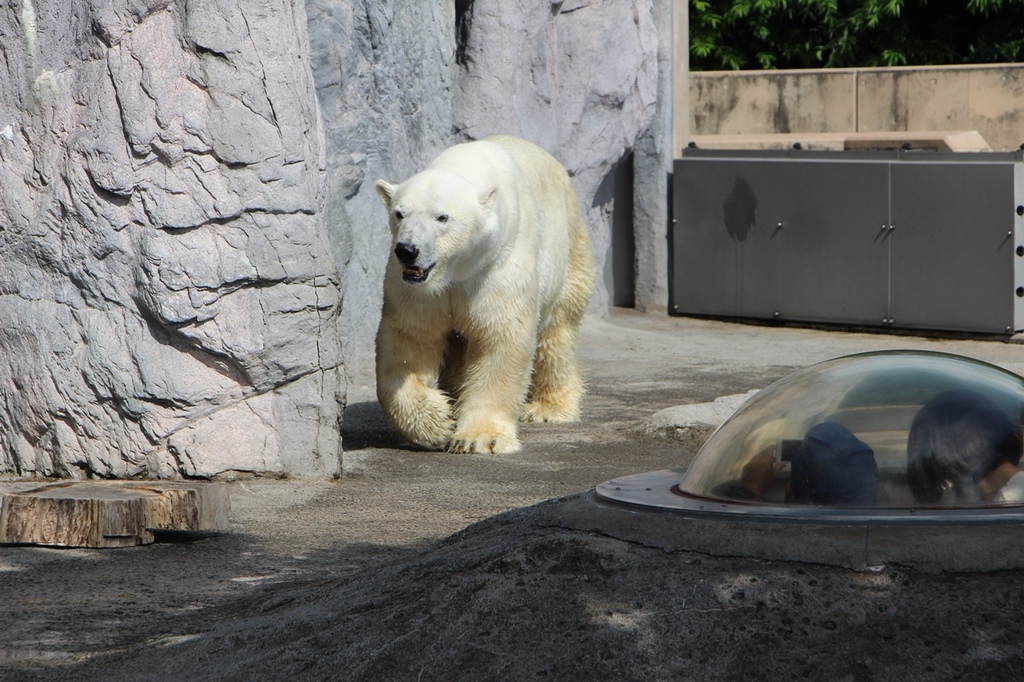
(832, 466)
(955, 440)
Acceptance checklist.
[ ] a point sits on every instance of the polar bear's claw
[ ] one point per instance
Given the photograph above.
(483, 443)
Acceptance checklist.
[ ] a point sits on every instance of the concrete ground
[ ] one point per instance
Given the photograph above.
(419, 565)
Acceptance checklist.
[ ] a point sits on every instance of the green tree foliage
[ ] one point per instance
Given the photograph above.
(804, 34)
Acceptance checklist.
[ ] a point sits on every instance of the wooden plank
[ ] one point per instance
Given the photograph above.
(110, 513)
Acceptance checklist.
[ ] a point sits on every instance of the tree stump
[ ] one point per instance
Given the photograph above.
(111, 514)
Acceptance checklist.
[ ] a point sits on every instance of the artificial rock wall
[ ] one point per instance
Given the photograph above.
(168, 303)
(186, 188)
(385, 77)
(555, 81)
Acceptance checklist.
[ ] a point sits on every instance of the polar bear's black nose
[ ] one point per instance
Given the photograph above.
(406, 252)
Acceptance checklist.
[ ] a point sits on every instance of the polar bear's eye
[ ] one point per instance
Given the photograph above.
(399, 215)
(442, 218)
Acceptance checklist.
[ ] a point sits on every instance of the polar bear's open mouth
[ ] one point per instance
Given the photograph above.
(415, 275)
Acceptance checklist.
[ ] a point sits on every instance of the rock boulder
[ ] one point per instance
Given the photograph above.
(168, 302)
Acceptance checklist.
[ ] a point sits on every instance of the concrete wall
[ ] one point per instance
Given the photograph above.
(988, 98)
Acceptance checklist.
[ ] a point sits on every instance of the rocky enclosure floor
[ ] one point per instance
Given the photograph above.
(422, 565)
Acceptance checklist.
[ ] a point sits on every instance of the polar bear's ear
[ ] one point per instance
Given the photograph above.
(488, 196)
(385, 190)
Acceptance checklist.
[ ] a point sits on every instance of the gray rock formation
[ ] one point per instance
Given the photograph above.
(167, 300)
(555, 81)
(652, 171)
(384, 75)
(693, 424)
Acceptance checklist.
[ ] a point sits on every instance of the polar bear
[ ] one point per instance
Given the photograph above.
(490, 273)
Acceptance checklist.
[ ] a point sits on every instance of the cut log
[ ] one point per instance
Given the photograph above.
(110, 514)
(183, 505)
(75, 515)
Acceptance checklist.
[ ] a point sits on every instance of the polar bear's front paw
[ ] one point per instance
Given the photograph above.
(434, 423)
(425, 419)
(483, 440)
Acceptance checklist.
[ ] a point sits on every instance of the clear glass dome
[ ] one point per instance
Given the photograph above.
(889, 429)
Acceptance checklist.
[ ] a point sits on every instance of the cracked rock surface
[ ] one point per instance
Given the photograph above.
(168, 303)
(538, 69)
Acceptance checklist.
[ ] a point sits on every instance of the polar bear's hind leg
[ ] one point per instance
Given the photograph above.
(557, 384)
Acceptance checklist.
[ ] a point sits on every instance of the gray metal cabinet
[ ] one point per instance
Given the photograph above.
(914, 240)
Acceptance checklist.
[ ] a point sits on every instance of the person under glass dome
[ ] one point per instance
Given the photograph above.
(961, 444)
(830, 466)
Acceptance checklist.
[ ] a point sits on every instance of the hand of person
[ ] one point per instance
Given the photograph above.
(994, 480)
(760, 472)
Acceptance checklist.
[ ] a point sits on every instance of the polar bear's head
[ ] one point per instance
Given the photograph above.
(442, 226)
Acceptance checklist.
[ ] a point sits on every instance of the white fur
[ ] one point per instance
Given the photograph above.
(493, 323)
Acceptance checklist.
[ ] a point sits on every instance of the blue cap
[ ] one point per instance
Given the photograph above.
(833, 466)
